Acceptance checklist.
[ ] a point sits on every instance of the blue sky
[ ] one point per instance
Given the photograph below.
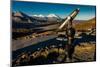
(63, 10)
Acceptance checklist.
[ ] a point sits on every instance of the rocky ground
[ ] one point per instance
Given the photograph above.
(85, 52)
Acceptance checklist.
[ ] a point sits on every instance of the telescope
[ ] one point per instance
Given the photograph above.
(69, 19)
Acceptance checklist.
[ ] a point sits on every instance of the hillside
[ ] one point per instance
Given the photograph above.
(86, 24)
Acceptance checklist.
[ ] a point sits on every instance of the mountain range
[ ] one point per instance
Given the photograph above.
(24, 18)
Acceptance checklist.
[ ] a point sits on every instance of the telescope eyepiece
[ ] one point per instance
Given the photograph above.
(78, 9)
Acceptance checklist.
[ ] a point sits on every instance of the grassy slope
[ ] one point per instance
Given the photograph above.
(86, 24)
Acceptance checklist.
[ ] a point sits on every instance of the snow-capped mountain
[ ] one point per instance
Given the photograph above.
(35, 16)
(24, 18)
(53, 17)
(40, 17)
(50, 17)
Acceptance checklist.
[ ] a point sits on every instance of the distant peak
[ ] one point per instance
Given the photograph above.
(41, 15)
(21, 14)
(52, 15)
